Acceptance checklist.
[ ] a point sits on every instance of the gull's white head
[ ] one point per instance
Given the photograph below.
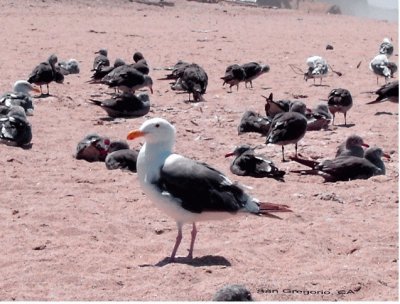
(154, 130)
(22, 86)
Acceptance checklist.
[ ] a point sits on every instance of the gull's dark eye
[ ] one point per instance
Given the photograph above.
(157, 125)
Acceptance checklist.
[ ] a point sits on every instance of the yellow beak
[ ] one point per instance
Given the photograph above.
(135, 134)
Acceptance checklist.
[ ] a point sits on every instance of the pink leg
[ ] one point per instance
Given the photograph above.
(177, 242)
(194, 233)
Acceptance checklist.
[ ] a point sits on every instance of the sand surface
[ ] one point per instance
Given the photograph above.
(73, 230)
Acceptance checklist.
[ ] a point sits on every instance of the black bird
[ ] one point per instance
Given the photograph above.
(92, 147)
(125, 104)
(389, 91)
(273, 107)
(101, 59)
(344, 168)
(127, 78)
(254, 122)
(247, 163)
(120, 156)
(253, 70)
(234, 74)
(102, 71)
(318, 118)
(194, 80)
(140, 63)
(15, 128)
(288, 127)
(352, 146)
(339, 100)
(177, 71)
(46, 72)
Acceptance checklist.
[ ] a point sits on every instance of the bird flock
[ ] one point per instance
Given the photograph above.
(189, 190)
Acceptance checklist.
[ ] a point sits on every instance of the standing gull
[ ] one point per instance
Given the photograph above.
(382, 67)
(253, 70)
(317, 68)
(194, 80)
(46, 72)
(187, 190)
(234, 74)
(339, 100)
(288, 127)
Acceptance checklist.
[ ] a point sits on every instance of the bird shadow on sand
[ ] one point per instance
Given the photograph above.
(42, 96)
(383, 113)
(345, 126)
(12, 144)
(207, 260)
(319, 85)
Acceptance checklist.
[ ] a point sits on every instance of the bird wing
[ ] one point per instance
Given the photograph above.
(198, 187)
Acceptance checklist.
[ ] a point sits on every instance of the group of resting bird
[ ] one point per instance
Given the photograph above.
(189, 190)
(15, 106)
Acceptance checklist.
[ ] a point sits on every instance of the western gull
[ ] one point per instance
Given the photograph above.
(120, 156)
(288, 127)
(247, 163)
(187, 190)
(101, 59)
(125, 104)
(92, 147)
(352, 146)
(253, 70)
(20, 96)
(46, 72)
(344, 168)
(234, 74)
(15, 128)
(389, 91)
(382, 67)
(340, 100)
(317, 68)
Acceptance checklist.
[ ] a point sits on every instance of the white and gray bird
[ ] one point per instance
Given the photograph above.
(20, 96)
(382, 67)
(317, 68)
(187, 190)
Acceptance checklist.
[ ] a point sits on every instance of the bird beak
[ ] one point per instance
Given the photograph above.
(35, 89)
(229, 154)
(365, 145)
(135, 134)
(386, 155)
(151, 90)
